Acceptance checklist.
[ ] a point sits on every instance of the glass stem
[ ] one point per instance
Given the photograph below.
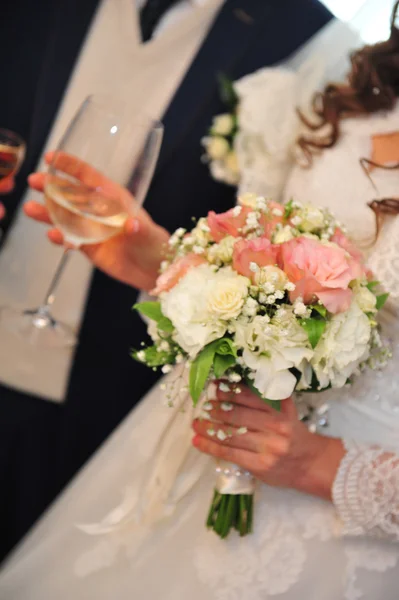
(50, 295)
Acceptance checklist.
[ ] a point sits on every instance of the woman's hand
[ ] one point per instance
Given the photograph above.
(277, 448)
(134, 255)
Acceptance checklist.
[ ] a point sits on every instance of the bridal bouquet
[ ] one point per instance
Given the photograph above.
(273, 297)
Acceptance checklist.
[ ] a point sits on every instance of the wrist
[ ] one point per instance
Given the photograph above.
(322, 463)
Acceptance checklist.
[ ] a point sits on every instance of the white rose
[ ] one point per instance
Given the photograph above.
(186, 306)
(342, 347)
(217, 147)
(222, 124)
(282, 235)
(311, 218)
(223, 251)
(272, 275)
(365, 299)
(228, 293)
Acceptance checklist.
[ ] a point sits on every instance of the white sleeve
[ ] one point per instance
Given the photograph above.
(366, 491)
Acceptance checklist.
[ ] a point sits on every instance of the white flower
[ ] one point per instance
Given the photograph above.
(226, 406)
(249, 200)
(273, 276)
(221, 435)
(252, 221)
(164, 346)
(217, 147)
(289, 286)
(300, 309)
(250, 307)
(227, 294)
(234, 377)
(232, 164)
(253, 267)
(271, 348)
(277, 212)
(343, 346)
(141, 355)
(186, 306)
(311, 218)
(296, 220)
(242, 430)
(223, 251)
(365, 299)
(237, 210)
(283, 235)
(166, 369)
(222, 124)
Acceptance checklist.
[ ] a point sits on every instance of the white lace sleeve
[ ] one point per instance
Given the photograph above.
(366, 491)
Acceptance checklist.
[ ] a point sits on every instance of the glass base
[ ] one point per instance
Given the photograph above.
(37, 327)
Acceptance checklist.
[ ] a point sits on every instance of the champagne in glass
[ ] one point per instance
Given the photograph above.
(12, 153)
(98, 177)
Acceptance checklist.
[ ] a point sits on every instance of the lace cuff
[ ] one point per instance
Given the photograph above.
(366, 491)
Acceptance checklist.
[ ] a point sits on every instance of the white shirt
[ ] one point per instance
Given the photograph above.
(112, 60)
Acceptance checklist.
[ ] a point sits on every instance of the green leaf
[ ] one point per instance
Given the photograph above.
(227, 91)
(381, 299)
(165, 324)
(276, 404)
(320, 309)
(314, 329)
(221, 363)
(199, 371)
(153, 311)
(372, 284)
(288, 209)
(153, 357)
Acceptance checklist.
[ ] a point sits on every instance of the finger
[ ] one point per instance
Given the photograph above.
(37, 211)
(55, 236)
(229, 436)
(251, 461)
(244, 397)
(2, 211)
(261, 443)
(77, 168)
(6, 185)
(36, 181)
(253, 419)
(288, 409)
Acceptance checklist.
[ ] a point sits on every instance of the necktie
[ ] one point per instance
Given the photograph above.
(151, 14)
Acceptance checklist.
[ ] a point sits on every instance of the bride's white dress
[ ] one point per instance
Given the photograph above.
(155, 545)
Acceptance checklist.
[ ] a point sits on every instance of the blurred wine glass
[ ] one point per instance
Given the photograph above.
(12, 153)
(99, 176)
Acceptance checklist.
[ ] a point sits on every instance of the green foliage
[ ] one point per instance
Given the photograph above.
(314, 328)
(153, 357)
(221, 354)
(288, 209)
(153, 311)
(381, 299)
(227, 91)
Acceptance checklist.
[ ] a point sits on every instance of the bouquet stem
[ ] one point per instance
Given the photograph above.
(230, 511)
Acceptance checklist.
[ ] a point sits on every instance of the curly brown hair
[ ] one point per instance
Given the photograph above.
(372, 85)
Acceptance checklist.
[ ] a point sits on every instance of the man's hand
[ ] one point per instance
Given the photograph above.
(134, 255)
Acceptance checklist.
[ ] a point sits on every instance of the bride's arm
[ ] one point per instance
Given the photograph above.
(361, 481)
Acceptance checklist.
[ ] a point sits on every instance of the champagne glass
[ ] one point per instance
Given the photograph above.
(99, 176)
(12, 153)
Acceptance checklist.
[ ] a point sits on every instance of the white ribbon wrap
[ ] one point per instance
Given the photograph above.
(231, 479)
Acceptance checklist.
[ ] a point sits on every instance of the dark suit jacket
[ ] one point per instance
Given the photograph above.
(105, 383)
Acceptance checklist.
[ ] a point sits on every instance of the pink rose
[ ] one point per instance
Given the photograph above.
(270, 221)
(175, 272)
(228, 223)
(341, 240)
(319, 271)
(259, 251)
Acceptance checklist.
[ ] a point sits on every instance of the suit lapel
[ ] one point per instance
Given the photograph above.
(226, 42)
(273, 28)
